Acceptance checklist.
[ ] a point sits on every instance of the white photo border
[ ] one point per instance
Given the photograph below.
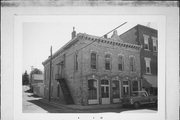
(18, 115)
(9, 51)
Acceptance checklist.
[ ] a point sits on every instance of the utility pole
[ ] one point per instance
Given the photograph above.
(50, 74)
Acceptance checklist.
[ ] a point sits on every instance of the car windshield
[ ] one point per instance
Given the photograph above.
(135, 94)
(139, 94)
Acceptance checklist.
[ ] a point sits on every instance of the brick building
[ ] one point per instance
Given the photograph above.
(93, 70)
(148, 39)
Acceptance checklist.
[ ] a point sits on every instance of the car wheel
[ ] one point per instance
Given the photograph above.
(136, 105)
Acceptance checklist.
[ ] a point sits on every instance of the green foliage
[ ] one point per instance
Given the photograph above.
(25, 78)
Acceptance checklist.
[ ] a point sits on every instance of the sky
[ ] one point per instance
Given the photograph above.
(39, 36)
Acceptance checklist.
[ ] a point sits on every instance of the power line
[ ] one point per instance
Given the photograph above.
(95, 39)
(102, 36)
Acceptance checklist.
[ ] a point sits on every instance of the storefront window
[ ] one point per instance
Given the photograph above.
(92, 89)
(135, 85)
(115, 88)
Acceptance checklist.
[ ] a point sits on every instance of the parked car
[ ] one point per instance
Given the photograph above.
(139, 98)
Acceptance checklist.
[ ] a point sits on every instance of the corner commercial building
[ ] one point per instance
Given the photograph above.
(93, 70)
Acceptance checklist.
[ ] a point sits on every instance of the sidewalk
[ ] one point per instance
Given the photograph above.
(80, 107)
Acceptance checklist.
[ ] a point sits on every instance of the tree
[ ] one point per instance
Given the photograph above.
(34, 71)
(25, 78)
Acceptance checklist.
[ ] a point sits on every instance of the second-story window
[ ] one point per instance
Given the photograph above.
(93, 60)
(154, 44)
(148, 65)
(120, 63)
(132, 64)
(107, 62)
(146, 42)
(76, 62)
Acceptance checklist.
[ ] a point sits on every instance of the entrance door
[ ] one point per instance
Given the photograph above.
(126, 91)
(116, 91)
(105, 92)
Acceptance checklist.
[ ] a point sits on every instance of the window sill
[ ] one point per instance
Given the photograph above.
(148, 73)
(93, 69)
(132, 71)
(147, 49)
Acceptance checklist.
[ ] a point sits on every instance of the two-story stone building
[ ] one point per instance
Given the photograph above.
(146, 37)
(93, 70)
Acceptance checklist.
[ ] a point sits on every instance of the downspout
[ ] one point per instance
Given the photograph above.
(141, 74)
(81, 88)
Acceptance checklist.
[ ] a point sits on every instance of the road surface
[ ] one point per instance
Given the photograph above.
(32, 104)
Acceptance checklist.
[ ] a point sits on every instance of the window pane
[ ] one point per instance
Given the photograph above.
(146, 41)
(93, 60)
(104, 91)
(125, 82)
(107, 56)
(146, 46)
(104, 82)
(107, 65)
(155, 48)
(76, 62)
(154, 42)
(132, 63)
(107, 62)
(125, 88)
(120, 65)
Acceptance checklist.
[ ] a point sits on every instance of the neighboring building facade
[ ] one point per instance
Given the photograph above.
(38, 84)
(148, 38)
(102, 72)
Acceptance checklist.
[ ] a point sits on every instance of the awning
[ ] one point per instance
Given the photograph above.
(149, 81)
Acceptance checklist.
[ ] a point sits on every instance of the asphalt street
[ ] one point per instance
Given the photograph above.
(33, 104)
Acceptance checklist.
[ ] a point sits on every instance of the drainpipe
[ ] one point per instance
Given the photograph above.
(50, 74)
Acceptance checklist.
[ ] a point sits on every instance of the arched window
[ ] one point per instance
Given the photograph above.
(107, 62)
(132, 63)
(120, 63)
(92, 89)
(76, 61)
(93, 60)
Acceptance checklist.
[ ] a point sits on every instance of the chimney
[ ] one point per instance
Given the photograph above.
(148, 24)
(73, 34)
(116, 37)
(105, 36)
(115, 34)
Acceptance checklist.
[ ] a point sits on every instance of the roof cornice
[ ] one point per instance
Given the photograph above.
(93, 39)
(109, 41)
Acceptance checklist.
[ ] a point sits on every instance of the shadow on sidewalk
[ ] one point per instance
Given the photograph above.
(35, 96)
(48, 108)
(29, 91)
